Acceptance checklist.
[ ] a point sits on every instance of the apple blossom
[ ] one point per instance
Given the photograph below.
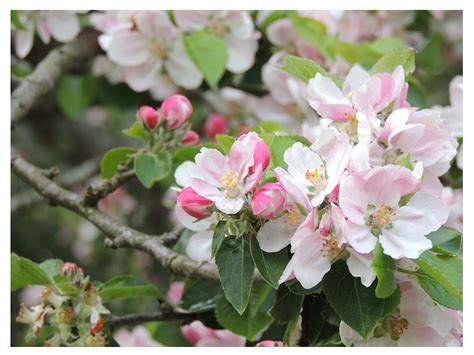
(200, 335)
(259, 149)
(308, 178)
(175, 292)
(194, 204)
(371, 202)
(191, 138)
(234, 27)
(216, 124)
(268, 201)
(360, 93)
(176, 109)
(151, 45)
(63, 26)
(149, 116)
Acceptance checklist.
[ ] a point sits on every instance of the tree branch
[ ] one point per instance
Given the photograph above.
(49, 70)
(96, 192)
(56, 195)
(75, 176)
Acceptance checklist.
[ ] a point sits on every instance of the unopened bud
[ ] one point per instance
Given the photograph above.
(191, 138)
(148, 115)
(176, 109)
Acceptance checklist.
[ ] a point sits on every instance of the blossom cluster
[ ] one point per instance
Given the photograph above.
(370, 176)
(76, 317)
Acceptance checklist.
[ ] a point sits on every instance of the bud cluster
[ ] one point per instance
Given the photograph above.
(73, 311)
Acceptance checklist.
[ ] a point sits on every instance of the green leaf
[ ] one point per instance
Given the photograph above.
(446, 271)
(386, 44)
(385, 268)
(268, 127)
(15, 20)
(391, 303)
(200, 295)
(25, 272)
(270, 265)
(446, 240)
(357, 53)
(278, 146)
(51, 267)
(126, 286)
(151, 168)
(75, 94)
(236, 268)
(136, 131)
(402, 56)
(354, 303)
(314, 325)
(208, 52)
(438, 293)
(274, 16)
(168, 333)
(218, 236)
(302, 68)
(225, 142)
(314, 32)
(253, 320)
(296, 287)
(63, 283)
(287, 305)
(112, 159)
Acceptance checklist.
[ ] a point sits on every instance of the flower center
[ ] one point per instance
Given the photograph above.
(317, 178)
(383, 216)
(293, 216)
(351, 125)
(230, 179)
(330, 246)
(158, 49)
(217, 26)
(395, 325)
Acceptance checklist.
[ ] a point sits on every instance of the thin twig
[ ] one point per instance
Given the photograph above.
(77, 175)
(96, 192)
(133, 319)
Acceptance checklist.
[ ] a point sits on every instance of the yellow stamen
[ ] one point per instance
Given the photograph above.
(293, 216)
(331, 246)
(396, 325)
(316, 176)
(217, 26)
(383, 216)
(230, 179)
(158, 50)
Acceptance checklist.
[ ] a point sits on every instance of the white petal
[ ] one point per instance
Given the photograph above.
(360, 265)
(192, 223)
(274, 235)
(200, 246)
(64, 25)
(360, 237)
(229, 205)
(24, 39)
(128, 49)
(309, 263)
(185, 172)
(241, 53)
(181, 69)
(143, 77)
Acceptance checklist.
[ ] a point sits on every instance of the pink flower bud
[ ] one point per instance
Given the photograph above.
(68, 268)
(176, 110)
(271, 343)
(175, 292)
(261, 153)
(268, 201)
(191, 138)
(194, 204)
(216, 124)
(148, 115)
(196, 331)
